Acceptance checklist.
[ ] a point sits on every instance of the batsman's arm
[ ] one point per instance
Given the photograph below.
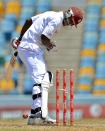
(25, 27)
(47, 42)
(15, 42)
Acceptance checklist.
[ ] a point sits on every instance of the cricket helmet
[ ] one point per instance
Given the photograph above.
(73, 16)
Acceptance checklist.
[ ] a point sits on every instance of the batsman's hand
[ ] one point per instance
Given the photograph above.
(51, 45)
(15, 43)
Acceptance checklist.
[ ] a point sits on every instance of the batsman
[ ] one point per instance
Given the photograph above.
(36, 38)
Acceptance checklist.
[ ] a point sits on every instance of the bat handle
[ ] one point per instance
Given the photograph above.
(16, 53)
(13, 59)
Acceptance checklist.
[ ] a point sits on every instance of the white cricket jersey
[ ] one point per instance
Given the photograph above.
(46, 23)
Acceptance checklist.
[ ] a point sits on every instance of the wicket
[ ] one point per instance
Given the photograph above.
(64, 89)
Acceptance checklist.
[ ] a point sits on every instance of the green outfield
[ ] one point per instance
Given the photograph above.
(81, 125)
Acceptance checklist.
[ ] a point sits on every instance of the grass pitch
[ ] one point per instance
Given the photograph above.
(81, 125)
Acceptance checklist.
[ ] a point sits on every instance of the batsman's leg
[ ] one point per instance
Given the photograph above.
(36, 104)
(36, 67)
(40, 115)
(45, 87)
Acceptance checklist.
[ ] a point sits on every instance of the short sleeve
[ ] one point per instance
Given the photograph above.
(51, 28)
(34, 18)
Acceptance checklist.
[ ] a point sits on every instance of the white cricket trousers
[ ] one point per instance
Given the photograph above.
(36, 66)
(34, 62)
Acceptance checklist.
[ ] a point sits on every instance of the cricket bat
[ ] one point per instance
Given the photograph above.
(11, 65)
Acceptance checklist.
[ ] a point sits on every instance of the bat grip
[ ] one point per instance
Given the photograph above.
(15, 53)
